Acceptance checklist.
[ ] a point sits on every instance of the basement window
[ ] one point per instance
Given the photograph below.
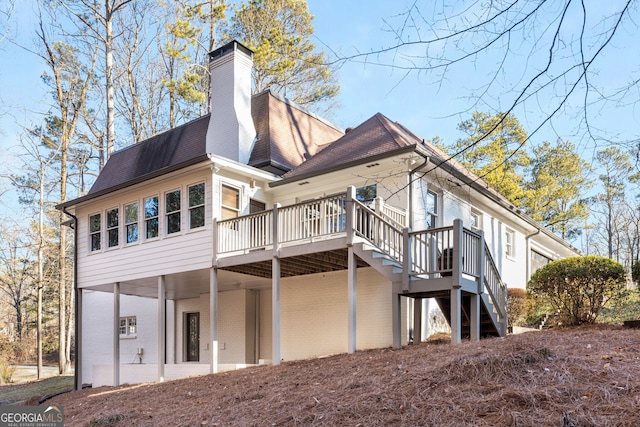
(128, 327)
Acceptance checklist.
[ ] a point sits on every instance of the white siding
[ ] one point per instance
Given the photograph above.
(97, 339)
(183, 251)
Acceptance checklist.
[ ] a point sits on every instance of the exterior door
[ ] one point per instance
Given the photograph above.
(193, 337)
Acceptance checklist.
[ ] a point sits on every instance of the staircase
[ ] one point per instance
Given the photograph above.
(436, 263)
(491, 324)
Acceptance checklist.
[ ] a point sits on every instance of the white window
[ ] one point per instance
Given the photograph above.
(510, 243)
(476, 220)
(172, 211)
(230, 207)
(196, 206)
(95, 225)
(131, 222)
(112, 227)
(128, 326)
(431, 209)
(151, 217)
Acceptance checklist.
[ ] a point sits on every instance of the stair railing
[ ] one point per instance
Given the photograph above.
(493, 283)
(378, 231)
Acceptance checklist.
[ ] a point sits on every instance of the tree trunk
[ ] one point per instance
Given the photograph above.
(108, 48)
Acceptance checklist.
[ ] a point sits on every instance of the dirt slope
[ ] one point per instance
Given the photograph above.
(583, 377)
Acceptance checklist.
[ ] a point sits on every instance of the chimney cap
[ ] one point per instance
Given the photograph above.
(232, 46)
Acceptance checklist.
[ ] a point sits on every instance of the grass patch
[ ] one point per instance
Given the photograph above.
(35, 389)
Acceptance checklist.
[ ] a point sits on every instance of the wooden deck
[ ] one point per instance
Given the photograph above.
(451, 264)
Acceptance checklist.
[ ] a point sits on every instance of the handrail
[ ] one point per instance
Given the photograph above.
(311, 219)
(245, 233)
(378, 231)
(396, 216)
(494, 284)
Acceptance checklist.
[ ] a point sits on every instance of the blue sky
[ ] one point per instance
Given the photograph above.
(428, 103)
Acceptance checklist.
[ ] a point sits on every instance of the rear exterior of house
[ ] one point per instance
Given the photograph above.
(262, 233)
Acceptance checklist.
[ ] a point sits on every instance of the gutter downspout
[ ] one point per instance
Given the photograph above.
(528, 254)
(411, 173)
(77, 359)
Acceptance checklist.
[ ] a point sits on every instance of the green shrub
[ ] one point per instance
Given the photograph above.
(577, 288)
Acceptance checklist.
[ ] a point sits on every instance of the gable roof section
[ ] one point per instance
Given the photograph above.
(376, 137)
(174, 148)
(286, 134)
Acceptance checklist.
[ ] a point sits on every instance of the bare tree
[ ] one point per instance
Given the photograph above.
(16, 275)
(541, 55)
(99, 20)
(70, 80)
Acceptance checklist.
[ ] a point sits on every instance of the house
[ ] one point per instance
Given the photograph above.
(263, 233)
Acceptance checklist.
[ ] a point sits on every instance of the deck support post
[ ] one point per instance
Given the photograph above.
(474, 314)
(213, 318)
(417, 320)
(456, 315)
(116, 334)
(275, 311)
(79, 349)
(275, 291)
(351, 214)
(352, 292)
(396, 313)
(162, 322)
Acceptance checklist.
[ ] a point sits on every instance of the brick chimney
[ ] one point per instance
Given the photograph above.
(231, 133)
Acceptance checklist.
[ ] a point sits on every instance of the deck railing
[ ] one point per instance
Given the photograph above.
(245, 233)
(432, 253)
(378, 231)
(313, 219)
(493, 283)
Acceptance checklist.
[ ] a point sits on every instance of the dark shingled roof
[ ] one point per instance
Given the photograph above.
(376, 136)
(176, 147)
(286, 134)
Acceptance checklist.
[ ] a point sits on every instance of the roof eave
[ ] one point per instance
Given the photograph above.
(199, 159)
(315, 173)
(505, 204)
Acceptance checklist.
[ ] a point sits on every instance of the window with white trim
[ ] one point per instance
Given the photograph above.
(230, 206)
(431, 209)
(128, 327)
(476, 220)
(172, 211)
(151, 217)
(196, 206)
(95, 229)
(510, 243)
(112, 227)
(131, 222)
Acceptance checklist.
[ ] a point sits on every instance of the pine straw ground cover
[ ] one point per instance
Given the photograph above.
(579, 377)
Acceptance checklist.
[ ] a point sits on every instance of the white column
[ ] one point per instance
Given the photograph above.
(352, 292)
(275, 290)
(116, 334)
(213, 318)
(275, 315)
(162, 319)
(456, 315)
(78, 368)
